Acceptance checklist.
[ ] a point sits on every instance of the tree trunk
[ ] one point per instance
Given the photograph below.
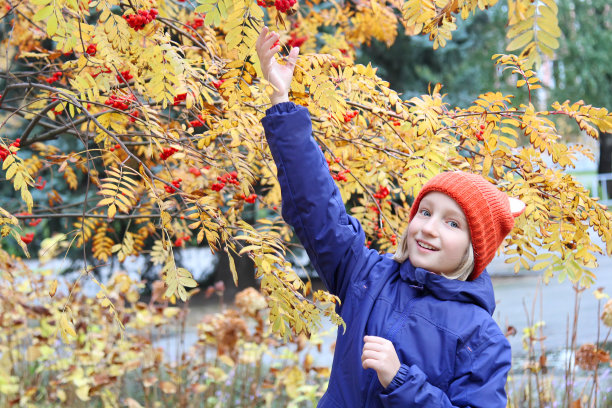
(605, 158)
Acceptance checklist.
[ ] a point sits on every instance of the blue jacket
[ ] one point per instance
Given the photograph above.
(452, 353)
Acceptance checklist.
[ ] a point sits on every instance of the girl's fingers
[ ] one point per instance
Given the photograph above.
(370, 355)
(293, 55)
(374, 339)
(266, 39)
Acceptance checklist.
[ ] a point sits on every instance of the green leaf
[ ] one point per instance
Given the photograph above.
(520, 41)
(43, 13)
(52, 25)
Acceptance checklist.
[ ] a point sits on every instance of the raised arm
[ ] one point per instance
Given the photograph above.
(312, 204)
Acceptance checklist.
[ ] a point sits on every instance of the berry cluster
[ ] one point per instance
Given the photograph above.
(284, 5)
(397, 123)
(250, 199)
(198, 172)
(167, 152)
(91, 50)
(56, 76)
(197, 123)
(179, 98)
(196, 23)
(33, 221)
(29, 237)
(349, 116)
(138, 21)
(480, 133)
(134, 114)
(227, 178)
(4, 152)
(380, 234)
(124, 76)
(382, 193)
(40, 183)
(341, 175)
(120, 102)
(115, 147)
(176, 183)
(296, 41)
(179, 240)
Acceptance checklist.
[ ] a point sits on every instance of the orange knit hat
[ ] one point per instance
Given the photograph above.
(490, 213)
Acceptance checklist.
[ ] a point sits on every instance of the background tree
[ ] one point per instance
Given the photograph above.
(150, 113)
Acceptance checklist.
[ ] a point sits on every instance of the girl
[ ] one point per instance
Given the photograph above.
(419, 326)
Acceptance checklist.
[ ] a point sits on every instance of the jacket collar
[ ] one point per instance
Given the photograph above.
(478, 291)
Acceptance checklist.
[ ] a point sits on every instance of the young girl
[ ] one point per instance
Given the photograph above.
(419, 326)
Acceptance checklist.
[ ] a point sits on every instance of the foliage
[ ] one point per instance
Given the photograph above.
(168, 356)
(578, 70)
(581, 381)
(234, 361)
(151, 112)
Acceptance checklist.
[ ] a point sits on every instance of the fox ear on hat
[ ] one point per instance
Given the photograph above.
(516, 206)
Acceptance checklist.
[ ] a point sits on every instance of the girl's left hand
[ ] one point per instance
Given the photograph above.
(380, 355)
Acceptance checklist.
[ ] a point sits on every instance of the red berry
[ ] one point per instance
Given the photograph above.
(29, 237)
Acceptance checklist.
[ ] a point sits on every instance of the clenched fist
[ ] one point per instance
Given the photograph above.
(380, 355)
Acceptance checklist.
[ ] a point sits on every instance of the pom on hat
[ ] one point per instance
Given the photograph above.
(490, 213)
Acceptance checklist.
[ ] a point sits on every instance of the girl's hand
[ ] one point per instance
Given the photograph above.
(278, 75)
(380, 355)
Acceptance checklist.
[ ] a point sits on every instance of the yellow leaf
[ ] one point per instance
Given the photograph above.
(66, 326)
(188, 282)
(548, 40)
(520, 41)
(486, 166)
(61, 395)
(233, 268)
(26, 196)
(53, 288)
(224, 358)
(112, 210)
(83, 392)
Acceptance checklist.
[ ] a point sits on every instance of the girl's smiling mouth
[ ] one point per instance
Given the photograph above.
(427, 246)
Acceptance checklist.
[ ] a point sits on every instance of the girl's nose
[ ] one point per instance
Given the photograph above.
(430, 227)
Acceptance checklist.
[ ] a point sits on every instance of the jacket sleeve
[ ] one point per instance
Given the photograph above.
(311, 201)
(480, 384)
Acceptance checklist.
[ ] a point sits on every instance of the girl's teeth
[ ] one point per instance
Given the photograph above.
(425, 246)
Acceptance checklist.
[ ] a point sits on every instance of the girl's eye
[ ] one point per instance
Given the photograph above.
(453, 224)
(426, 213)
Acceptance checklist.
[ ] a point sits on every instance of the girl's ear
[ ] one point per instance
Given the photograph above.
(516, 206)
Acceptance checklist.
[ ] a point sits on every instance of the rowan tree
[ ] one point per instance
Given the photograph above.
(150, 111)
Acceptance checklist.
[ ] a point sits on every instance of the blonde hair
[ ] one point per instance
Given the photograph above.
(463, 271)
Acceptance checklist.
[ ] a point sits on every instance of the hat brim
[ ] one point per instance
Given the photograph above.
(517, 207)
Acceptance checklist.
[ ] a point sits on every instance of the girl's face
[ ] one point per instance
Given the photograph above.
(438, 235)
